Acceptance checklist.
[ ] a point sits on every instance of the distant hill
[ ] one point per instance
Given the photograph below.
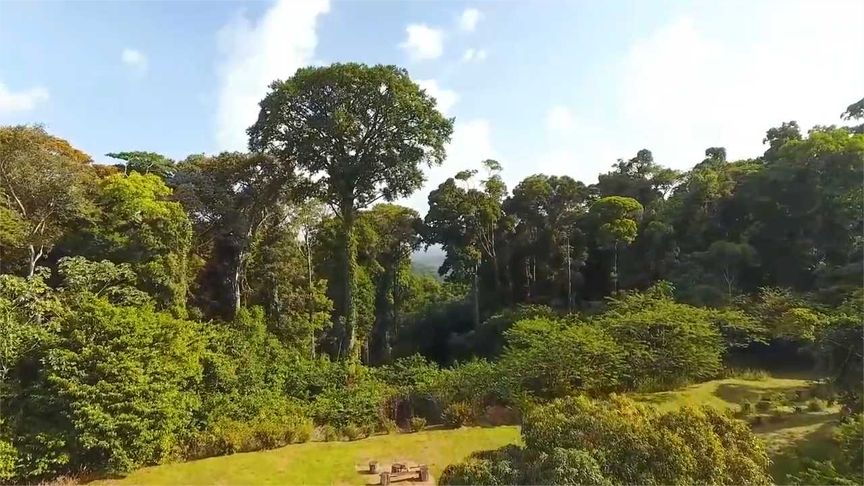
(427, 262)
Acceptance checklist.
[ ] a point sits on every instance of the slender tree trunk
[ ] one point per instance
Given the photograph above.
(34, 258)
(234, 283)
(615, 268)
(311, 303)
(569, 279)
(476, 295)
(348, 310)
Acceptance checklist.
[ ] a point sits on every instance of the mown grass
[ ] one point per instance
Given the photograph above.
(789, 441)
(328, 462)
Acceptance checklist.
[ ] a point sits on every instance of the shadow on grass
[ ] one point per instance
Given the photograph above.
(736, 393)
(790, 455)
(795, 421)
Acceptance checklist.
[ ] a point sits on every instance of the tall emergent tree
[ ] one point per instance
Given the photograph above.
(228, 197)
(618, 218)
(358, 134)
(463, 220)
(43, 189)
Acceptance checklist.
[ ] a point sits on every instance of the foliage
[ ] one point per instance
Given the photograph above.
(577, 440)
(458, 414)
(416, 424)
(550, 359)
(44, 183)
(847, 468)
(363, 151)
(660, 338)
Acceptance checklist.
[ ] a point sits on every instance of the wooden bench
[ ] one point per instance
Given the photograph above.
(400, 472)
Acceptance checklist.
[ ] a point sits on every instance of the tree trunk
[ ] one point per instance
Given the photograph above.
(348, 311)
(615, 269)
(233, 283)
(311, 303)
(476, 295)
(34, 258)
(569, 279)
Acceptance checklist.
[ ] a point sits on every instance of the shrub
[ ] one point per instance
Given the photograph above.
(752, 374)
(329, 433)
(417, 424)
(580, 441)
(352, 432)
(635, 444)
(364, 402)
(8, 460)
(501, 466)
(815, 405)
(458, 414)
(551, 359)
(112, 369)
(665, 340)
(764, 405)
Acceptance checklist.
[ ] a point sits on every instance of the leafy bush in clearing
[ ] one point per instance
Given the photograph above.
(416, 424)
(578, 440)
(663, 339)
(815, 405)
(554, 358)
(458, 414)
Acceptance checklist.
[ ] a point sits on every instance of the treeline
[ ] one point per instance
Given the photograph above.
(160, 309)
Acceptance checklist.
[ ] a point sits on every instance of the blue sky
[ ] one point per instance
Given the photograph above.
(562, 87)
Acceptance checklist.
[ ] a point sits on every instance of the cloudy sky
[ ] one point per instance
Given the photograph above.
(561, 87)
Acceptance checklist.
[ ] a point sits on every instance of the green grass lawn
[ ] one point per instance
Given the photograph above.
(797, 435)
(328, 462)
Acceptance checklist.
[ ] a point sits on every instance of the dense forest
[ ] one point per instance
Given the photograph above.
(158, 310)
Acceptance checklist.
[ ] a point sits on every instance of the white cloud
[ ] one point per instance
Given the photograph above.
(686, 87)
(560, 119)
(445, 98)
(683, 89)
(26, 100)
(469, 18)
(475, 55)
(470, 145)
(134, 59)
(257, 53)
(423, 42)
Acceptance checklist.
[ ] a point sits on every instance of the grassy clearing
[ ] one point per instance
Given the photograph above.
(796, 436)
(328, 462)
(728, 393)
(800, 435)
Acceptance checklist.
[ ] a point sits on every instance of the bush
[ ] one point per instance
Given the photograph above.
(116, 390)
(329, 433)
(352, 432)
(366, 401)
(458, 414)
(501, 466)
(8, 460)
(551, 359)
(416, 424)
(764, 405)
(636, 445)
(815, 405)
(580, 441)
(665, 340)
